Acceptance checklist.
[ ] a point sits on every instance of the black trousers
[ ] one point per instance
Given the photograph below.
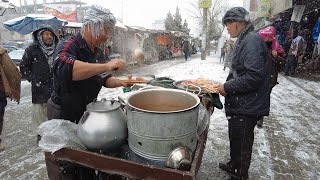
(241, 136)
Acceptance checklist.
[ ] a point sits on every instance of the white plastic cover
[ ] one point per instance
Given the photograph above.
(57, 134)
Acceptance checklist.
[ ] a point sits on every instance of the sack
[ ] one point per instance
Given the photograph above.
(10, 75)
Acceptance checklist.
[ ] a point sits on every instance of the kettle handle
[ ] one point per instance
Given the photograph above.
(122, 104)
(84, 117)
(122, 101)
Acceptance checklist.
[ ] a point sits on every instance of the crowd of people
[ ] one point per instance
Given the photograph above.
(66, 76)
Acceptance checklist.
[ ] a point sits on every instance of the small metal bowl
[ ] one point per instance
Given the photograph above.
(180, 158)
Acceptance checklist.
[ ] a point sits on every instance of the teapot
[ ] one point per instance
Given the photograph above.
(103, 126)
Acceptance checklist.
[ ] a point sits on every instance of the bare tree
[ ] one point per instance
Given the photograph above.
(215, 14)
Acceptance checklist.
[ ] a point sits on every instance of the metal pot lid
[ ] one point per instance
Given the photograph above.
(103, 105)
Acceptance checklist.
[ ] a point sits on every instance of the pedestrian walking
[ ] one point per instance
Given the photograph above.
(36, 67)
(223, 51)
(9, 86)
(296, 51)
(229, 54)
(246, 90)
(275, 52)
(186, 50)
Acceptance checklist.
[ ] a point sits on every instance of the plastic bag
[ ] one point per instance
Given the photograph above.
(57, 134)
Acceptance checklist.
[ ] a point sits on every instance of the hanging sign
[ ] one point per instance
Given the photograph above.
(264, 8)
(205, 4)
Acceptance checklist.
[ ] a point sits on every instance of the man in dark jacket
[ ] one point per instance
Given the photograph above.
(36, 67)
(246, 91)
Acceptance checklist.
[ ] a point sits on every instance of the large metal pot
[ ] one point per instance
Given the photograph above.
(103, 126)
(159, 120)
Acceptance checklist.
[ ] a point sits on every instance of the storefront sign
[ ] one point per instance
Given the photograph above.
(280, 6)
(264, 8)
(297, 13)
(63, 11)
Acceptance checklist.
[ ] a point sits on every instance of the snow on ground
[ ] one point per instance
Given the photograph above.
(286, 148)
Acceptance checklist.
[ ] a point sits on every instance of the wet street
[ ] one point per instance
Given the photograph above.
(284, 149)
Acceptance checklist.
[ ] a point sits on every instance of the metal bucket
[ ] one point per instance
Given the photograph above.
(159, 120)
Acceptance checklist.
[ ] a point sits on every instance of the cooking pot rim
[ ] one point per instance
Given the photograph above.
(166, 112)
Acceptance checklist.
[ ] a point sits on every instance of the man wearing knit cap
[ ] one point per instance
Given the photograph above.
(80, 68)
(246, 90)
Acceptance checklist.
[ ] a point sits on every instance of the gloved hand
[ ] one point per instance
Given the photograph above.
(216, 100)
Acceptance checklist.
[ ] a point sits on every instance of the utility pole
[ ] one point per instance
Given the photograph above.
(205, 4)
(122, 12)
(204, 34)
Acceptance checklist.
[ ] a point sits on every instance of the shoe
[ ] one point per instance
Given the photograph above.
(2, 147)
(227, 167)
(260, 123)
(38, 139)
(236, 176)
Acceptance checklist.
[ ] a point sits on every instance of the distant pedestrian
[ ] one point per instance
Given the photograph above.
(223, 51)
(36, 67)
(186, 50)
(9, 86)
(296, 51)
(229, 54)
(246, 90)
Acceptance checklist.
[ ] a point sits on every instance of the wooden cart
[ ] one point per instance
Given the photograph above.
(121, 167)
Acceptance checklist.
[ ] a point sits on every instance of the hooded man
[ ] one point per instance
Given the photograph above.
(246, 90)
(36, 67)
(80, 68)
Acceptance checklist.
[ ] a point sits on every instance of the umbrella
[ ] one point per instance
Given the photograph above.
(31, 22)
(79, 25)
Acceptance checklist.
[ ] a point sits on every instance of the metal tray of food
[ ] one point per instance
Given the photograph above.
(197, 86)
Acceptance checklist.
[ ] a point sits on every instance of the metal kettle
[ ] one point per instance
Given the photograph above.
(103, 126)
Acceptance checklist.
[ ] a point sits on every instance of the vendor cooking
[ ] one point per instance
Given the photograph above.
(80, 67)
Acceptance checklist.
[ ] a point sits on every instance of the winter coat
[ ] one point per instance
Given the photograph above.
(248, 83)
(185, 47)
(35, 68)
(73, 96)
(277, 63)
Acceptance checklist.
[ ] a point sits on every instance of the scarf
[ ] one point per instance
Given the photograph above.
(47, 50)
(97, 17)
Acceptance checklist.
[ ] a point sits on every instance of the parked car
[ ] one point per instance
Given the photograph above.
(9, 48)
(16, 56)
